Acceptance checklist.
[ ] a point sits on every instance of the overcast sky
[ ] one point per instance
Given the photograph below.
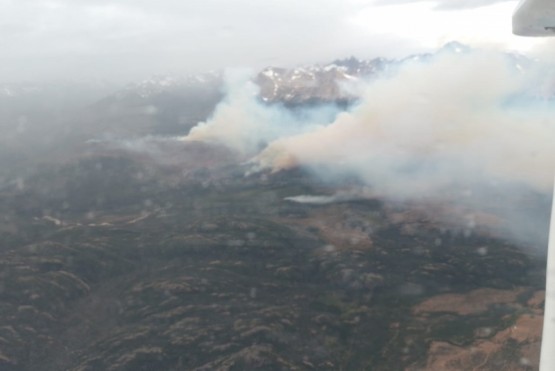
(129, 39)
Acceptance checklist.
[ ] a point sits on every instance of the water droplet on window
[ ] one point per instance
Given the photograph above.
(20, 184)
(482, 251)
(525, 361)
(329, 248)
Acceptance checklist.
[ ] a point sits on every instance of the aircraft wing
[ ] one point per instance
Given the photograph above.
(534, 18)
(537, 18)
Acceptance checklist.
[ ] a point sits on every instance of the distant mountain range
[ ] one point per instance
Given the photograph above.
(172, 105)
(298, 85)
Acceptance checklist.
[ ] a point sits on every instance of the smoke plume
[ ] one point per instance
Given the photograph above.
(476, 123)
(243, 123)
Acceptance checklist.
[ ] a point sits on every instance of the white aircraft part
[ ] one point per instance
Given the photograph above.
(537, 18)
(547, 358)
(534, 18)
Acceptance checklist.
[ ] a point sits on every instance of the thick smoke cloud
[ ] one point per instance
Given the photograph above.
(455, 119)
(473, 124)
(242, 123)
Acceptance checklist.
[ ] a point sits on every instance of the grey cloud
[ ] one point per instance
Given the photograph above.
(466, 4)
(447, 4)
(438, 130)
(129, 39)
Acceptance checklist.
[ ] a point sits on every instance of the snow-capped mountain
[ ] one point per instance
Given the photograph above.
(307, 84)
(330, 82)
(315, 83)
(297, 85)
(319, 83)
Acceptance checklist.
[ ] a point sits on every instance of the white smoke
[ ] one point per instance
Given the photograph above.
(457, 122)
(433, 125)
(241, 122)
(340, 196)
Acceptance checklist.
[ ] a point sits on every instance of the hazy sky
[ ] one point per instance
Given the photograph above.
(131, 39)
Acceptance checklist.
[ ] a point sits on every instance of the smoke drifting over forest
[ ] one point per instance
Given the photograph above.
(458, 125)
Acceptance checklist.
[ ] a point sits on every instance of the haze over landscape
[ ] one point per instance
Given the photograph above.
(224, 186)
